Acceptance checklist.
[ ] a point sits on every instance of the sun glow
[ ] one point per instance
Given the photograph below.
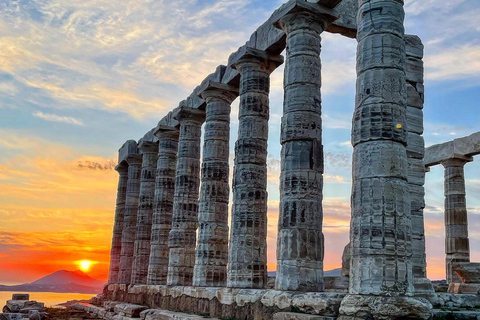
(85, 264)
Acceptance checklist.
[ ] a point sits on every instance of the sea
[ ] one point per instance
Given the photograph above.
(49, 298)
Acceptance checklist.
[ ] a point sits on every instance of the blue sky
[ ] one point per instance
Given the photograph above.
(78, 78)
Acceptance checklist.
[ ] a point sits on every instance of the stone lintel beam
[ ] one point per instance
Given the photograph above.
(463, 148)
(270, 62)
(326, 15)
(159, 130)
(147, 146)
(185, 113)
(218, 90)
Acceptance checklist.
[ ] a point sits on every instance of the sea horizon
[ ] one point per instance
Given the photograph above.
(50, 299)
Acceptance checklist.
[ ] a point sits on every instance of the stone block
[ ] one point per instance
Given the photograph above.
(415, 120)
(298, 316)
(414, 46)
(25, 305)
(464, 288)
(414, 69)
(129, 310)
(110, 305)
(346, 24)
(469, 272)
(20, 296)
(336, 284)
(127, 149)
(269, 38)
(12, 316)
(468, 146)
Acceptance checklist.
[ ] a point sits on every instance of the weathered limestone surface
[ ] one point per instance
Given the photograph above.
(457, 246)
(182, 237)
(300, 242)
(462, 148)
(469, 272)
(163, 203)
(381, 218)
(122, 169)
(250, 304)
(130, 218)
(212, 246)
(415, 154)
(346, 260)
(141, 258)
(248, 246)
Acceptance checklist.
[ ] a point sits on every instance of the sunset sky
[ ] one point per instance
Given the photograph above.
(79, 78)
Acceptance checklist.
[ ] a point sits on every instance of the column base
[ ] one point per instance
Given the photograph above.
(356, 307)
(423, 286)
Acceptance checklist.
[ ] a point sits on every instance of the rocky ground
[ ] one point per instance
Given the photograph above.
(69, 313)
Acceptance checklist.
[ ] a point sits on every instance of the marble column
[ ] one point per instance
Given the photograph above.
(300, 244)
(212, 246)
(248, 236)
(415, 154)
(381, 218)
(163, 204)
(381, 279)
(182, 237)
(143, 232)
(122, 169)
(457, 246)
(130, 218)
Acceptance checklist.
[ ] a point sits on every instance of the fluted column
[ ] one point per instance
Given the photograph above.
(415, 154)
(130, 218)
(457, 245)
(300, 244)
(143, 233)
(212, 246)
(381, 218)
(163, 204)
(182, 238)
(248, 236)
(122, 169)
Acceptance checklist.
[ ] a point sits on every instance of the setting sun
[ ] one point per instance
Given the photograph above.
(85, 264)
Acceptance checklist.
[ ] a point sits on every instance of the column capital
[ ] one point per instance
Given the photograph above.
(122, 168)
(299, 14)
(189, 114)
(212, 90)
(134, 159)
(165, 132)
(456, 162)
(148, 147)
(251, 55)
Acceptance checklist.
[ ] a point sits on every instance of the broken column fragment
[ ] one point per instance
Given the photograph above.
(248, 236)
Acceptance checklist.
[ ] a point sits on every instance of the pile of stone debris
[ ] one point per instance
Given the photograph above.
(21, 307)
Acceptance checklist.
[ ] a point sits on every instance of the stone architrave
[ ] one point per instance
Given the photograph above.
(163, 204)
(122, 169)
(182, 237)
(130, 218)
(457, 246)
(415, 154)
(212, 246)
(248, 236)
(300, 247)
(141, 256)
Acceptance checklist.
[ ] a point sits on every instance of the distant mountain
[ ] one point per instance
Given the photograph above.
(61, 281)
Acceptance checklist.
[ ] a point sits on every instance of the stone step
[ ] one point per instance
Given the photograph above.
(156, 314)
(299, 316)
(129, 310)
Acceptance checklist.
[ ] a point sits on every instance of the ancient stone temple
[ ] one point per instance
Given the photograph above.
(172, 247)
